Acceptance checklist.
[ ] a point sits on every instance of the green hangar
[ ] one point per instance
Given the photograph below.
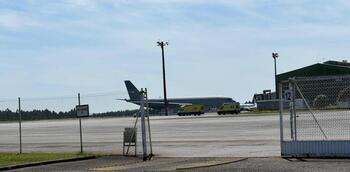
(269, 100)
(328, 68)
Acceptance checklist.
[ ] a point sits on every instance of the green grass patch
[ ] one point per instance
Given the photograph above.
(8, 159)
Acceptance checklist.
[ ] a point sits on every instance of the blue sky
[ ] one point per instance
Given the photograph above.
(217, 48)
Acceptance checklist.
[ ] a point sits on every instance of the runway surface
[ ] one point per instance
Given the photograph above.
(205, 136)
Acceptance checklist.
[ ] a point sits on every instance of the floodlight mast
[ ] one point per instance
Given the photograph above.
(162, 44)
(275, 56)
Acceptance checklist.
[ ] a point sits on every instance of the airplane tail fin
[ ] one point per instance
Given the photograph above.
(133, 92)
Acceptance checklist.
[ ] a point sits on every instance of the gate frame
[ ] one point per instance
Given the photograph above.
(312, 148)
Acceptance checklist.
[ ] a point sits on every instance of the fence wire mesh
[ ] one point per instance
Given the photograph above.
(50, 124)
(319, 108)
(8, 129)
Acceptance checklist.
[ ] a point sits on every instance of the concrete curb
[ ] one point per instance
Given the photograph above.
(46, 163)
(212, 165)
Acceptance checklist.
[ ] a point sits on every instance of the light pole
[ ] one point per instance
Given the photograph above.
(162, 44)
(275, 56)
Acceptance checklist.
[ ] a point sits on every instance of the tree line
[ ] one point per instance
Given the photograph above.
(8, 115)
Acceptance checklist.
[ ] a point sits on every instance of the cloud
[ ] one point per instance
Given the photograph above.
(84, 4)
(115, 40)
(10, 20)
(16, 21)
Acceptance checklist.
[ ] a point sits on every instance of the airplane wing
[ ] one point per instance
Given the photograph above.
(171, 104)
(162, 103)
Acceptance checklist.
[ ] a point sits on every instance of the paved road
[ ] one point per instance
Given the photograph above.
(118, 163)
(205, 136)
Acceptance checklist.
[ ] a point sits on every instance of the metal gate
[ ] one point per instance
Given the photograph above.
(315, 117)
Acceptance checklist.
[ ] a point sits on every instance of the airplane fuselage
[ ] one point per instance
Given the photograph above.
(175, 103)
(209, 102)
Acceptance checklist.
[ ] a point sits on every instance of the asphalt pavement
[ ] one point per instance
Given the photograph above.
(272, 164)
(205, 136)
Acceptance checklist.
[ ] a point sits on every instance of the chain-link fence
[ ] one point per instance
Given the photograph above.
(319, 109)
(9, 128)
(51, 125)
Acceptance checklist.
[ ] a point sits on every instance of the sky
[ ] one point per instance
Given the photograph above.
(216, 48)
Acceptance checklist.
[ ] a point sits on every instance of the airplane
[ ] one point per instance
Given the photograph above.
(174, 103)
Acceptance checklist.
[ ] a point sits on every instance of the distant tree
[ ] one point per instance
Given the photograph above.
(8, 115)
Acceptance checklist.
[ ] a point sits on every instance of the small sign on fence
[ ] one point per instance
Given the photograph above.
(82, 111)
(288, 95)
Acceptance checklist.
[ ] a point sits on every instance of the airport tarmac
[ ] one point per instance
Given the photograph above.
(205, 136)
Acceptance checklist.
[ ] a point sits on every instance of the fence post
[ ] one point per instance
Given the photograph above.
(80, 129)
(294, 111)
(149, 125)
(143, 127)
(20, 125)
(291, 119)
(281, 116)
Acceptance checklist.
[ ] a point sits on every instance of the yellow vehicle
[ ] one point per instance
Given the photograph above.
(229, 108)
(191, 110)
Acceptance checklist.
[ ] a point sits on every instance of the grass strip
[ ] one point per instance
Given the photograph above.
(10, 159)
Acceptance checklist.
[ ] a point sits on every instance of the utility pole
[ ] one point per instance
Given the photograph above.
(275, 56)
(162, 44)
